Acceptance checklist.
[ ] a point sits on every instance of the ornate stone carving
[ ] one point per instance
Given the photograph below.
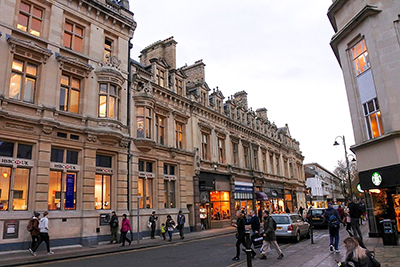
(91, 138)
(124, 143)
(47, 129)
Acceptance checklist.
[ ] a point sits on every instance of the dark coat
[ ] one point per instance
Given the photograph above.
(350, 262)
(255, 223)
(35, 224)
(328, 214)
(113, 218)
(269, 231)
(355, 211)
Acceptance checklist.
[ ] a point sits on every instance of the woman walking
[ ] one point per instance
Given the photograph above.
(356, 255)
(125, 227)
(170, 224)
(348, 221)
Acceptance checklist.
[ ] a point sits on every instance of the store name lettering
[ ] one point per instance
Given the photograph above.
(63, 166)
(15, 161)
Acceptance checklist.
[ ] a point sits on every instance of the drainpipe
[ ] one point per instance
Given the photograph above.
(128, 122)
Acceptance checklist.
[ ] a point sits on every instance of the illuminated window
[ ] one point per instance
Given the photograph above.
(179, 134)
(160, 129)
(178, 87)
(160, 77)
(360, 57)
(221, 150)
(23, 80)
(145, 184)
(30, 19)
(108, 101)
(373, 120)
(205, 146)
(108, 46)
(70, 90)
(102, 186)
(169, 186)
(220, 205)
(73, 36)
(143, 122)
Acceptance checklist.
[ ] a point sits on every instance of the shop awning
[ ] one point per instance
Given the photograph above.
(261, 196)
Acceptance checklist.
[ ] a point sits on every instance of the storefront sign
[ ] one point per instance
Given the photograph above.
(18, 162)
(244, 187)
(359, 188)
(104, 170)
(376, 178)
(69, 193)
(170, 177)
(146, 174)
(67, 167)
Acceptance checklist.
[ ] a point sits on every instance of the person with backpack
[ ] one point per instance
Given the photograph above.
(33, 228)
(332, 218)
(43, 235)
(269, 237)
(114, 227)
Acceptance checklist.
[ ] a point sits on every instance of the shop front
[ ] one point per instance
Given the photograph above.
(215, 211)
(244, 195)
(382, 196)
(276, 200)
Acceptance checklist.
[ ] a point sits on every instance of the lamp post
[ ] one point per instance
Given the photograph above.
(347, 161)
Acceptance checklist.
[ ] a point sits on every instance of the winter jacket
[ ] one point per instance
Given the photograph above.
(269, 231)
(169, 223)
(35, 225)
(351, 262)
(255, 223)
(355, 211)
(328, 213)
(44, 225)
(125, 226)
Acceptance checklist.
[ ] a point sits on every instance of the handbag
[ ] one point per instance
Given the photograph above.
(170, 229)
(257, 240)
(149, 224)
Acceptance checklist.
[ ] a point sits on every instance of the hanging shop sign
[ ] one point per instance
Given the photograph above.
(359, 188)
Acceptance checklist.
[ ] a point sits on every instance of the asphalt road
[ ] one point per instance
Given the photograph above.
(210, 252)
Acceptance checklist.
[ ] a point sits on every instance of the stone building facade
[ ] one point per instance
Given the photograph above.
(64, 134)
(85, 130)
(366, 44)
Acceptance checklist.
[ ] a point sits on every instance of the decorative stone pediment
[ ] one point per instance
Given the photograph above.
(144, 145)
(74, 65)
(28, 49)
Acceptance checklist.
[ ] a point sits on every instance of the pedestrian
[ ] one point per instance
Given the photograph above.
(43, 235)
(181, 222)
(355, 214)
(163, 230)
(241, 234)
(170, 225)
(125, 227)
(114, 227)
(269, 237)
(254, 222)
(356, 255)
(153, 219)
(332, 218)
(363, 211)
(341, 212)
(301, 210)
(347, 219)
(33, 228)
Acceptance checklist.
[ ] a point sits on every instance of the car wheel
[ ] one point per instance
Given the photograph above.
(297, 238)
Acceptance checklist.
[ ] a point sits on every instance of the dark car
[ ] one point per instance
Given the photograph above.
(317, 217)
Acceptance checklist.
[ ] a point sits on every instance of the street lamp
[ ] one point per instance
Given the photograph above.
(347, 161)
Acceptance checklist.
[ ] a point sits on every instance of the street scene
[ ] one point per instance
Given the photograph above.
(219, 133)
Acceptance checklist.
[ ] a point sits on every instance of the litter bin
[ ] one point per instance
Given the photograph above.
(389, 233)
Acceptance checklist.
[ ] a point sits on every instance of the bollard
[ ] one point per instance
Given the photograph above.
(248, 249)
(311, 226)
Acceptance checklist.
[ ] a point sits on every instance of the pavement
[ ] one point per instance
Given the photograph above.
(297, 254)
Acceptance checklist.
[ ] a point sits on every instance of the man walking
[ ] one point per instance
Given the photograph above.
(269, 237)
(241, 234)
(181, 221)
(43, 235)
(254, 222)
(332, 218)
(114, 227)
(355, 214)
(153, 220)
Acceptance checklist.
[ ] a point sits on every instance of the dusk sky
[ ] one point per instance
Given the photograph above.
(276, 51)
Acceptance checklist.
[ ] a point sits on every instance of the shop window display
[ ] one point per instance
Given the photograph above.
(220, 207)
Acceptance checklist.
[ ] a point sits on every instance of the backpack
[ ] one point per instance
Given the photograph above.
(29, 227)
(333, 220)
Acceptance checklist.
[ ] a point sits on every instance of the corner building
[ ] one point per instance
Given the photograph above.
(64, 137)
(366, 44)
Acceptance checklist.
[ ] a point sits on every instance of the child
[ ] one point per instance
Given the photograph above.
(163, 230)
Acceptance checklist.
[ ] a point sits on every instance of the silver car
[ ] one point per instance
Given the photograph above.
(291, 225)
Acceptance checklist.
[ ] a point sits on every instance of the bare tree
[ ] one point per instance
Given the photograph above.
(341, 172)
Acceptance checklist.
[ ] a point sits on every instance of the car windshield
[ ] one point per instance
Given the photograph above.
(281, 219)
(318, 212)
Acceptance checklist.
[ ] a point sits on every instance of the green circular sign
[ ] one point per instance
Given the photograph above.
(376, 178)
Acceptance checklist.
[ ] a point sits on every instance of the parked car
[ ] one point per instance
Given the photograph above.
(317, 217)
(291, 225)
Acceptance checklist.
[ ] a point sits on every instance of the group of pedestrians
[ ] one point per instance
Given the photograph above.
(39, 230)
(268, 234)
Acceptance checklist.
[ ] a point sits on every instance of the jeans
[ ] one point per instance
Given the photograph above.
(153, 229)
(35, 239)
(114, 232)
(356, 227)
(43, 237)
(170, 235)
(123, 238)
(334, 237)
